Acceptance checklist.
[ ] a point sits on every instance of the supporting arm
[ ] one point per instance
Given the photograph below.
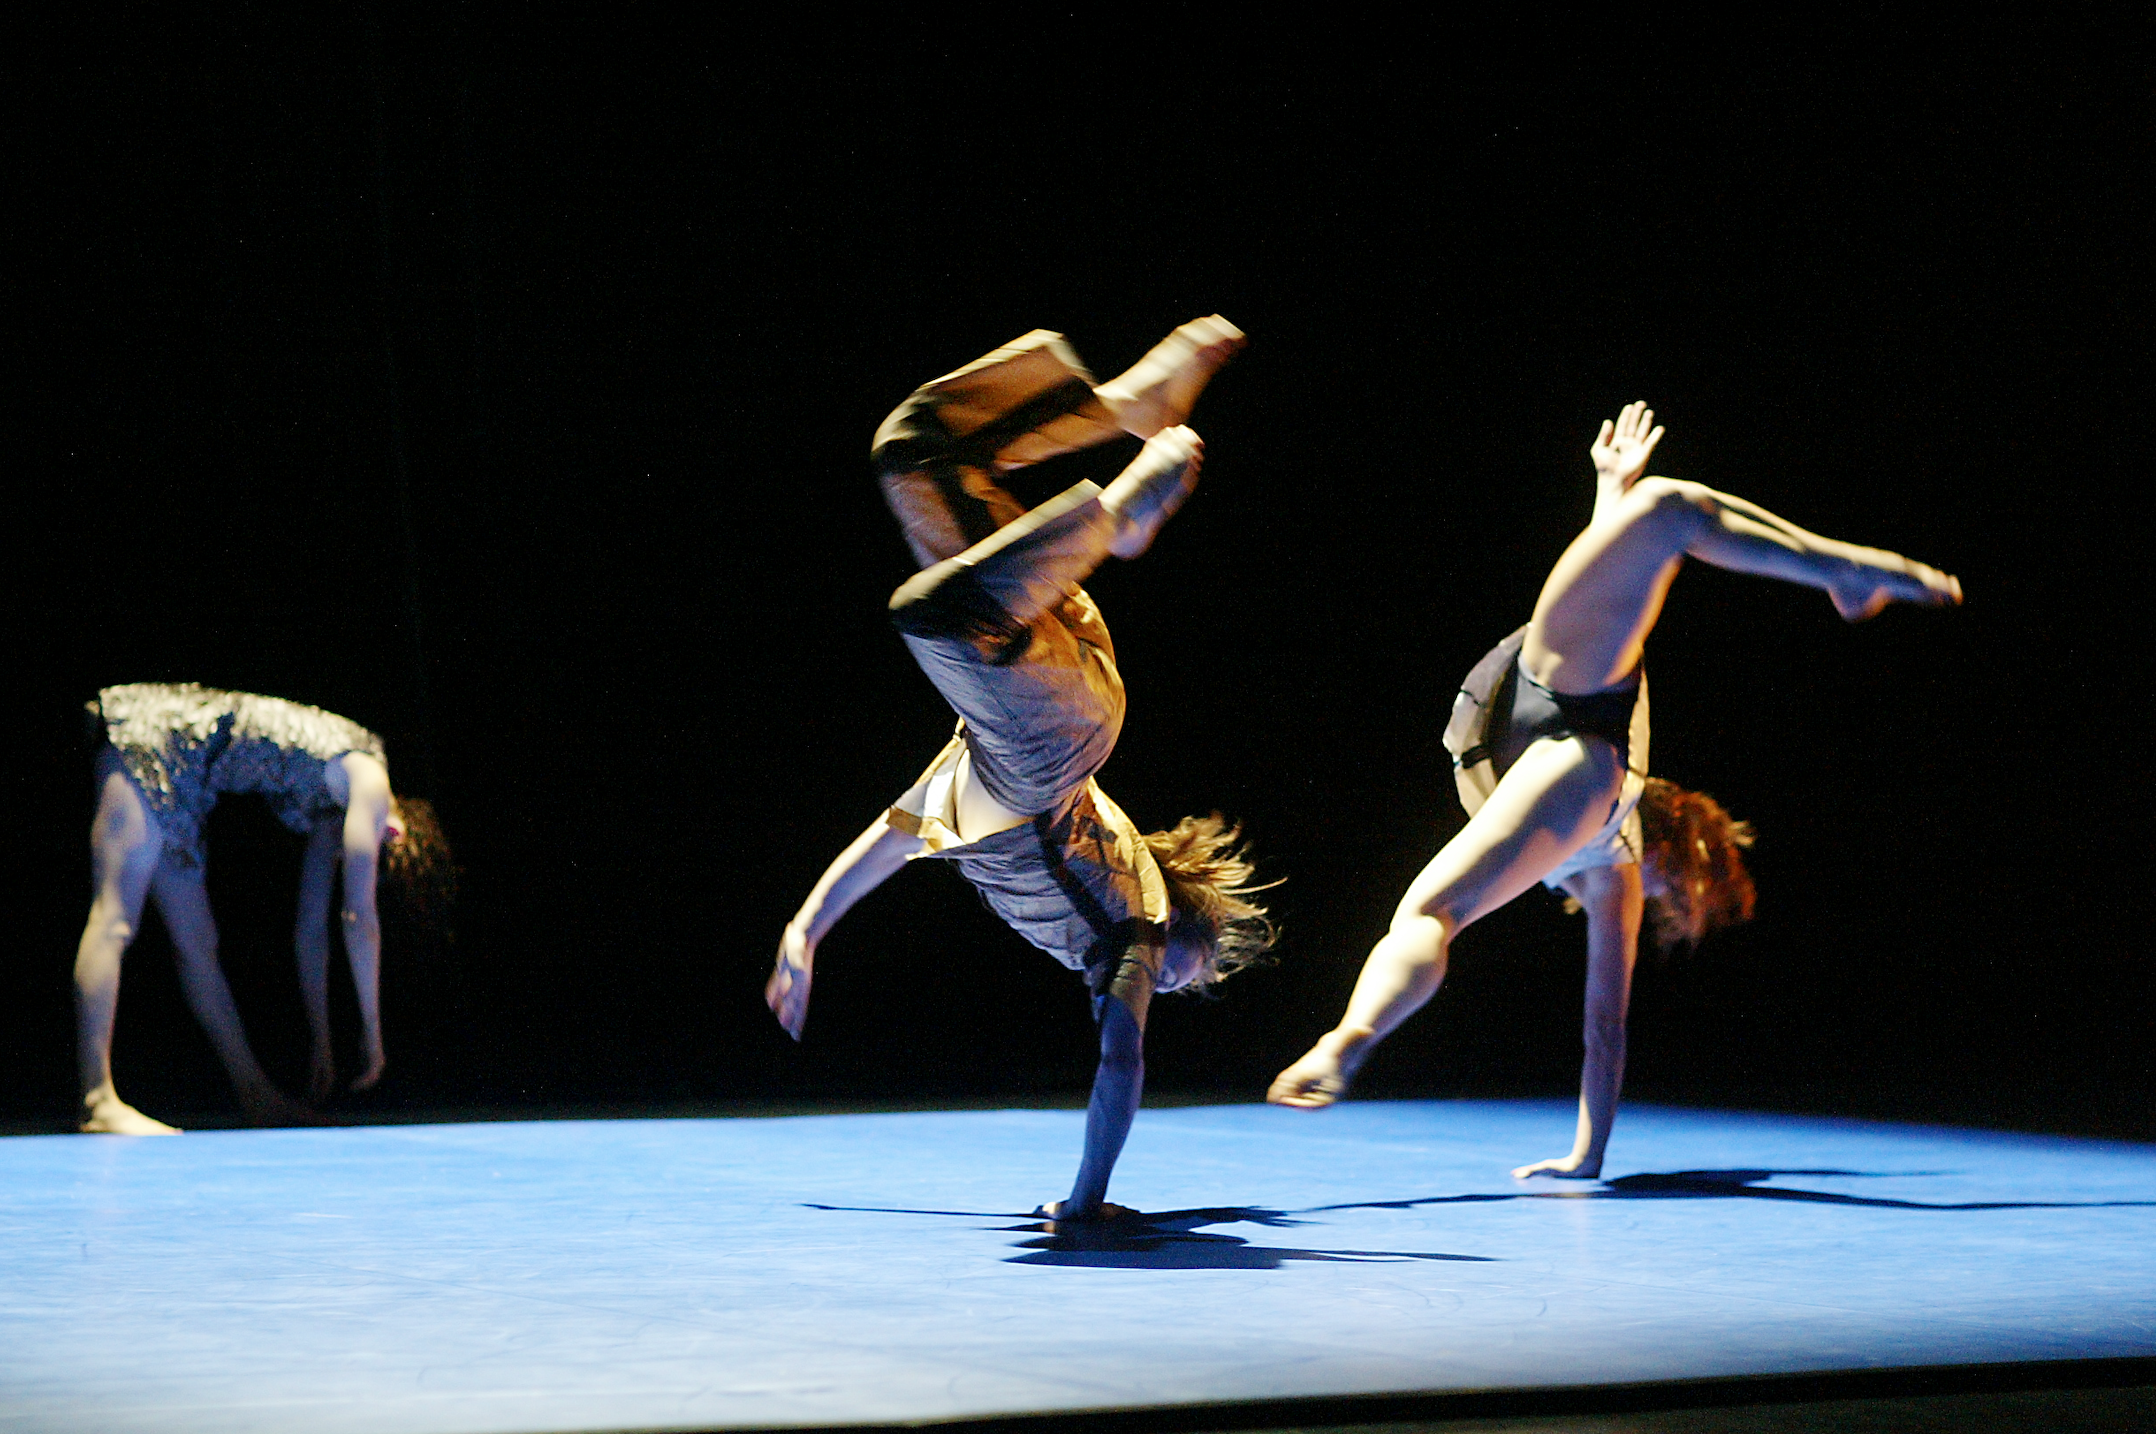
(1118, 1086)
(1614, 902)
(366, 818)
(310, 942)
(866, 863)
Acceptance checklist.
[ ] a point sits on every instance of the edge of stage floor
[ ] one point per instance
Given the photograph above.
(1373, 1263)
(1793, 1395)
(2108, 1112)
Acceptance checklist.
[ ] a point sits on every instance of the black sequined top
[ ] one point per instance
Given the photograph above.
(184, 745)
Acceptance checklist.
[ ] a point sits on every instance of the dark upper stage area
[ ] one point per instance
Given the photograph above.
(506, 384)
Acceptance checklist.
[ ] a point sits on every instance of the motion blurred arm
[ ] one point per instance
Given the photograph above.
(866, 863)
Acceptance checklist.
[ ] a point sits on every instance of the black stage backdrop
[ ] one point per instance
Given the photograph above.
(505, 383)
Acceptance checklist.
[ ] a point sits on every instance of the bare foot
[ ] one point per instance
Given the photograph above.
(1322, 1075)
(1147, 493)
(1160, 390)
(1572, 1167)
(110, 1115)
(270, 1106)
(1868, 590)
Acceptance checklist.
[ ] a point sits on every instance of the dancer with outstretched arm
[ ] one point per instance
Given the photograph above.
(169, 751)
(997, 620)
(1550, 745)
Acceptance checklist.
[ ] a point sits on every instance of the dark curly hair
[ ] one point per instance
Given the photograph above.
(1210, 883)
(422, 870)
(1697, 849)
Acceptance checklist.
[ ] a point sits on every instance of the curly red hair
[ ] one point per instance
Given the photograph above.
(1697, 849)
(422, 870)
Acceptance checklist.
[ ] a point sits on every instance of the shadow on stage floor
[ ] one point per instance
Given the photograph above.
(1372, 1263)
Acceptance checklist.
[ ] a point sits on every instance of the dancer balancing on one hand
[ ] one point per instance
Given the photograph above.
(1550, 745)
(997, 620)
(169, 752)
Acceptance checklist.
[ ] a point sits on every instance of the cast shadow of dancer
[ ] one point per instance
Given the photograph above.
(1731, 1184)
(1167, 1240)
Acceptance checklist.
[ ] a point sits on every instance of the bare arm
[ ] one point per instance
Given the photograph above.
(366, 817)
(866, 863)
(310, 942)
(1614, 902)
(1118, 1086)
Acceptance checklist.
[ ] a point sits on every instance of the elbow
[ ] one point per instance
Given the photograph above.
(1123, 1066)
(1122, 1049)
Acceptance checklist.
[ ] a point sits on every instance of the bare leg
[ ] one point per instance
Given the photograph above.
(1548, 806)
(185, 905)
(125, 842)
(1606, 592)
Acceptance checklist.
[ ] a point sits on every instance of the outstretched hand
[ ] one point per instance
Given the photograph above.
(1621, 449)
(787, 992)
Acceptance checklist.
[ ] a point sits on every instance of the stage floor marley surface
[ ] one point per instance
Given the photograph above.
(870, 1268)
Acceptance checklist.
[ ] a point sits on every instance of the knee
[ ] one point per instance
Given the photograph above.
(1426, 928)
(911, 437)
(110, 928)
(949, 601)
(933, 602)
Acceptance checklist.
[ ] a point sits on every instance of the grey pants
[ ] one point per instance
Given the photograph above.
(996, 616)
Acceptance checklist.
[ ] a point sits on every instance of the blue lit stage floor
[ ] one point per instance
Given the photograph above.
(830, 1269)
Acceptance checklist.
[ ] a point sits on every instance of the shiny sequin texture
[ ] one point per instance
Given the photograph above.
(185, 745)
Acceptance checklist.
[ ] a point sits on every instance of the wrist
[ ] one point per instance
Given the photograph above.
(1353, 1040)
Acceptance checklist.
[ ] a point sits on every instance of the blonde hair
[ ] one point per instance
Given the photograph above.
(1210, 883)
(1697, 849)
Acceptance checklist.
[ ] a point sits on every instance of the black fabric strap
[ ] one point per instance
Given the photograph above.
(1112, 940)
(928, 442)
(981, 446)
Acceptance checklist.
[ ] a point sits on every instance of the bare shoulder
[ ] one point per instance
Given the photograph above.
(356, 774)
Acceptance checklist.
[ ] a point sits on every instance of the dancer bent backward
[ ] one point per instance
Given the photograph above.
(170, 750)
(997, 620)
(1550, 743)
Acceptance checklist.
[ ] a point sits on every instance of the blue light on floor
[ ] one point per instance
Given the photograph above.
(577, 1275)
